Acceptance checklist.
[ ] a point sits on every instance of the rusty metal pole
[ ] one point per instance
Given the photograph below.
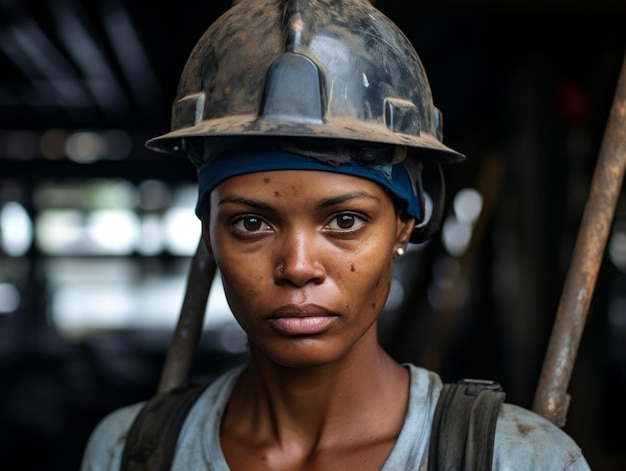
(187, 334)
(186, 337)
(551, 398)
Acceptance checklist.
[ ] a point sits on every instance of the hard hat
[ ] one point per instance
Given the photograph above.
(322, 69)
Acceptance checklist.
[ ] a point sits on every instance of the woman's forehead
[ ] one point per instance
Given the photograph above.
(296, 183)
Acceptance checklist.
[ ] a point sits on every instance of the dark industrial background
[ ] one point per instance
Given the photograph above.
(525, 93)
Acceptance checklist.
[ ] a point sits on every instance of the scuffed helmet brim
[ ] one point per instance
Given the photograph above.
(337, 128)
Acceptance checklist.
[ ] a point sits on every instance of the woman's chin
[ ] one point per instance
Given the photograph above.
(301, 353)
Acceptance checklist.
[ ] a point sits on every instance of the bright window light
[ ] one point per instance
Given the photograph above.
(113, 231)
(456, 236)
(16, 229)
(96, 295)
(468, 203)
(182, 231)
(151, 235)
(104, 232)
(59, 231)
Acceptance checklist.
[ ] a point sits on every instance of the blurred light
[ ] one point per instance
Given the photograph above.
(84, 147)
(234, 339)
(617, 250)
(91, 306)
(182, 231)
(468, 204)
(52, 144)
(396, 295)
(456, 236)
(617, 313)
(9, 298)
(114, 231)
(51, 195)
(86, 195)
(186, 196)
(76, 270)
(218, 311)
(153, 195)
(58, 231)
(151, 239)
(115, 194)
(16, 229)
(90, 295)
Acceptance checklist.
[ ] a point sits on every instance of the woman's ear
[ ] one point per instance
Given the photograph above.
(405, 225)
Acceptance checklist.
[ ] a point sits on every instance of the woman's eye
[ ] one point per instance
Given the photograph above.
(346, 222)
(250, 224)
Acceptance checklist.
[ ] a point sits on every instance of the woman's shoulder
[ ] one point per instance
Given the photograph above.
(106, 443)
(526, 441)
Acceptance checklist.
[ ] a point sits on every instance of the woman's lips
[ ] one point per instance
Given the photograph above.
(302, 320)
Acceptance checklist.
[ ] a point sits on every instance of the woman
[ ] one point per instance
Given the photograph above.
(317, 249)
(311, 137)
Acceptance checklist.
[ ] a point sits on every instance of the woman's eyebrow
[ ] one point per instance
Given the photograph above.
(325, 203)
(245, 202)
(347, 197)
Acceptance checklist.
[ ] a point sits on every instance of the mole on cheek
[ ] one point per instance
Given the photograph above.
(277, 194)
(352, 267)
(266, 180)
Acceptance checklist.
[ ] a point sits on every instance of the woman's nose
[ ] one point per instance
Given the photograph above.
(298, 263)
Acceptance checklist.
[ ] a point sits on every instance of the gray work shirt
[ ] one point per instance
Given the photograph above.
(524, 440)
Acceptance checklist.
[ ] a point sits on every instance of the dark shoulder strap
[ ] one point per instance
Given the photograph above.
(462, 434)
(151, 440)
(464, 426)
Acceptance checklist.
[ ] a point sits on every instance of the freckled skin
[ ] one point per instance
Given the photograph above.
(299, 403)
(297, 239)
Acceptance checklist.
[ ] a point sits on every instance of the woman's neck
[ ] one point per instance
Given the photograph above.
(361, 396)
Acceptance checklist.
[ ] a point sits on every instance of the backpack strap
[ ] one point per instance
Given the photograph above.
(462, 436)
(464, 426)
(151, 441)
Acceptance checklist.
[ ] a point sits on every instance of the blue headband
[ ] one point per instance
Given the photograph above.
(394, 178)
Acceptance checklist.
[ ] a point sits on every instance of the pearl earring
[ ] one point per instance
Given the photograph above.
(399, 252)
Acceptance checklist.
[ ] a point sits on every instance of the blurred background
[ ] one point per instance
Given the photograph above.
(96, 232)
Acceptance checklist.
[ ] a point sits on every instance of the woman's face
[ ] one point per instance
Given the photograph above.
(305, 258)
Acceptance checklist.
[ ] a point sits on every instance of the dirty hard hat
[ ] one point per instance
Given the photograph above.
(334, 81)
(331, 69)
